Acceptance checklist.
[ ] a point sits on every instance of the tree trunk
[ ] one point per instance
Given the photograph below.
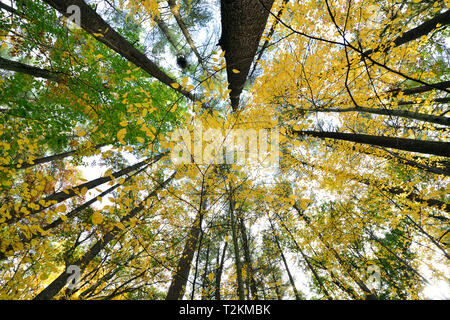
(445, 121)
(237, 259)
(180, 278)
(61, 196)
(55, 287)
(248, 260)
(92, 23)
(30, 70)
(419, 31)
(47, 159)
(421, 146)
(283, 258)
(219, 271)
(243, 22)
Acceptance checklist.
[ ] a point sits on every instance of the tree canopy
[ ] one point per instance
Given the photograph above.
(251, 149)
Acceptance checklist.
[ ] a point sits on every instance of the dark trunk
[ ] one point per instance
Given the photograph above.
(445, 121)
(55, 287)
(419, 31)
(243, 22)
(30, 70)
(180, 278)
(103, 32)
(283, 258)
(248, 260)
(421, 146)
(62, 196)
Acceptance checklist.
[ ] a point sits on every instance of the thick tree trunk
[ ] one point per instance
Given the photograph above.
(103, 32)
(419, 31)
(243, 22)
(421, 146)
(181, 275)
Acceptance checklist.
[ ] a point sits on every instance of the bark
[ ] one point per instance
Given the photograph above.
(237, 259)
(181, 275)
(7, 8)
(185, 31)
(248, 260)
(243, 22)
(419, 31)
(30, 70)
(205, 282)
(47, 159)
(445, 121)
(219, 271)
(61, 196)
(283, 258)
(420, 89)
(55, 287)
(421, 146)
(269, 36)
(92, 23)
(165, 30)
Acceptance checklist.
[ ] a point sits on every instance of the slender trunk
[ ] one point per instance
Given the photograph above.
(55, 157)
(58, 197)
(176, 13)
(205, 281)
(422, 146)
(308, 263)
(275, 286)
(445, 121)
(55, 287)
(197, 262)
(283, 258)
(248, 260)
(165, 30)
(30, 70)
(347, 268)
(240, 284)
(59, 221)
(219, 271)
(434, 203)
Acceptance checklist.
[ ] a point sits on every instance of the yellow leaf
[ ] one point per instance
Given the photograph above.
(235, 71)
(175, 85)
(97, 218)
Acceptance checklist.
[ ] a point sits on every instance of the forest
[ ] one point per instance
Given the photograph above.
(224, 149)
